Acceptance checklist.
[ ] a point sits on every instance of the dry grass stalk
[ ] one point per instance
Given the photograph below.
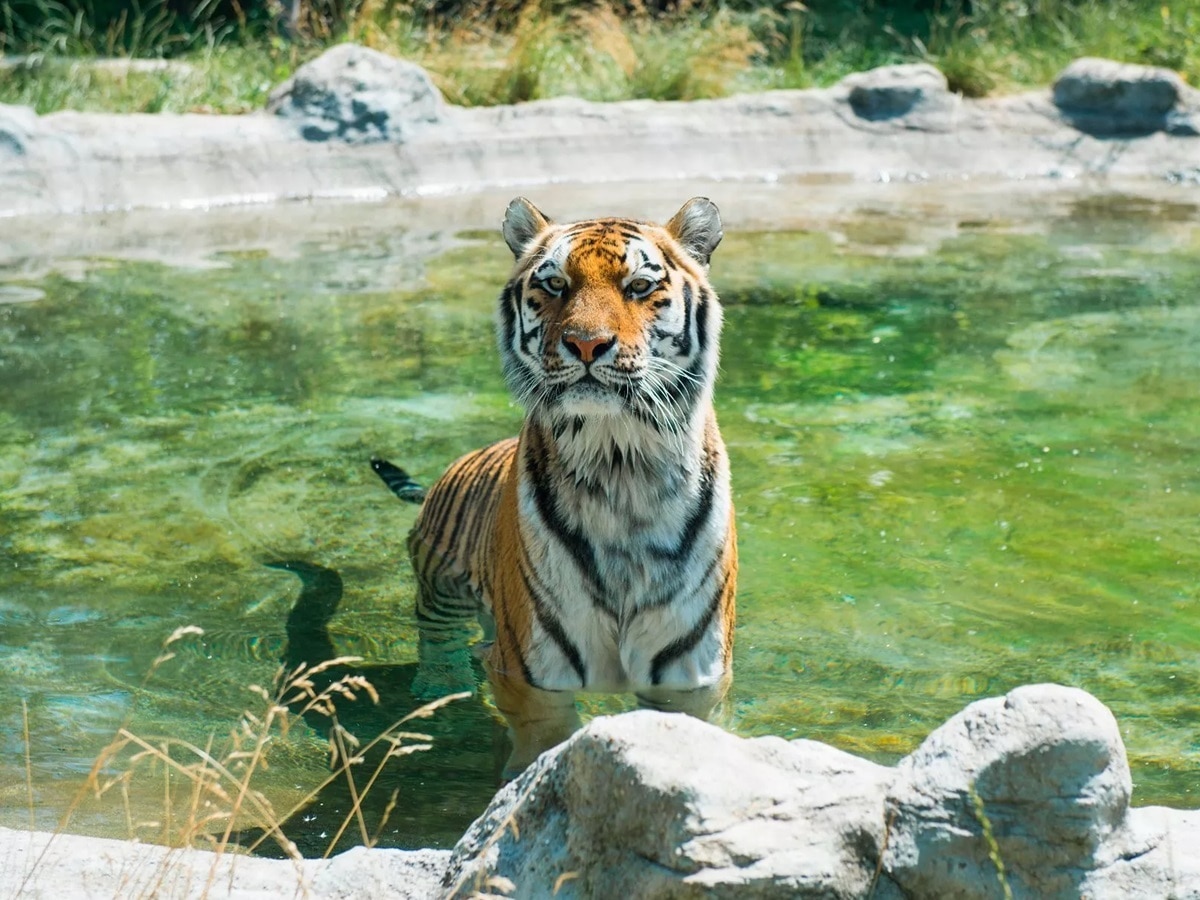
(220, 794)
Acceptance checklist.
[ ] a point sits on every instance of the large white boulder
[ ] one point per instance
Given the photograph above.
(651, 804)
(1029, 791)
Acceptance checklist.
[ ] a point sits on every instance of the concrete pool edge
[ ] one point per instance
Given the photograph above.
(70, 162)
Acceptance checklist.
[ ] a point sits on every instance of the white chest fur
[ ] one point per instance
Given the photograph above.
(623, 531)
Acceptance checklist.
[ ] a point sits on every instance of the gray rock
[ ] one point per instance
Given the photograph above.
(1107, 98)
(1152, 855)
(1029, 791)
(1043, 769)
(358, 95)
(652, 804)
(41, 866)
(379, 874)
(889, 92)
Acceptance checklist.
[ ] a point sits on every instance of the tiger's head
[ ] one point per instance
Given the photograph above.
(611, 317)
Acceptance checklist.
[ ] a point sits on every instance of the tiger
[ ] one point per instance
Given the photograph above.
(597, 549)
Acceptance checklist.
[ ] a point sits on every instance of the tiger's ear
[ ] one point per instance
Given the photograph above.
(697, 228)
(522, 223)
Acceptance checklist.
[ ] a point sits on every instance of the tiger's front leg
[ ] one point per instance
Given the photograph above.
(537, 719)
(699, 702)
(448, 627)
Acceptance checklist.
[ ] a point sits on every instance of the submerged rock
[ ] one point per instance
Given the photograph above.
(1029, 791)
(1107, 98)
(358, 95)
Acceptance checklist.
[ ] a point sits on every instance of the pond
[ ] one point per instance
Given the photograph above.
(963, 434)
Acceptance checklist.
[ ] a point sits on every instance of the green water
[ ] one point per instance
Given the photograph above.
(959, 466)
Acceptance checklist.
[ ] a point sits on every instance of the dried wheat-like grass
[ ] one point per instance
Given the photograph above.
(220, 792)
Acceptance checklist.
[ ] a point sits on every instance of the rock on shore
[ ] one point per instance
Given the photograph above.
(1029, 791)
(358, 95)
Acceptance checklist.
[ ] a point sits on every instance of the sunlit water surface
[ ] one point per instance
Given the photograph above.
(964, 456)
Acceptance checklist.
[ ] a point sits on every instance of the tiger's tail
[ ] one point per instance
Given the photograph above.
(400, 482)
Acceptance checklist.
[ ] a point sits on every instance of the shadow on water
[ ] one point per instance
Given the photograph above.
(437, 793)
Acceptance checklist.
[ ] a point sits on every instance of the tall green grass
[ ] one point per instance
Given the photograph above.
(1003, 45)
(506, 51)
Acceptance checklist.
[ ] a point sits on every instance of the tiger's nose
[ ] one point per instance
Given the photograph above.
(588, 348)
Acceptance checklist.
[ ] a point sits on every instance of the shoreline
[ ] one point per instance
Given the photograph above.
(896, 124)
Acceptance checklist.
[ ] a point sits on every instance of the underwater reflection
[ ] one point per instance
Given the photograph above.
(410, 806)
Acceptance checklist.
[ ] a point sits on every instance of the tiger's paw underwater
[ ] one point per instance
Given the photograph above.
(597, 549)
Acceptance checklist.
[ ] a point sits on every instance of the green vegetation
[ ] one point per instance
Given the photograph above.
(504, 51)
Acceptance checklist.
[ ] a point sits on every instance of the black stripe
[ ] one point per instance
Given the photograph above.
(490, 470)
(434, 613)
(697, 520)
(507, 308)
(685, 644)
(702, 319)
(683, 343)
(514, 323)
(468, 489)
(647, 416)
(553, 627)
(577, 545)
(683, 390)
(671, 259)
(666, 599)
(434, 511)
(480, 483)
(516, 648)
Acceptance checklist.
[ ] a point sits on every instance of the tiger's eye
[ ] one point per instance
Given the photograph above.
(556, 284)
(640, 285)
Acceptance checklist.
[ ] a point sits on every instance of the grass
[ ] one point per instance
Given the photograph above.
(209, 797)
(509, 51)
(1008, 44)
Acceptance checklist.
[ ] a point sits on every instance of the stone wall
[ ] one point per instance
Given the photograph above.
(356, 124)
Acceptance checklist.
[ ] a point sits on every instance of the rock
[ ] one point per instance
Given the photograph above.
(1029, 791)
(889, 92)
(379, 874)
(1107, 98)
(654, 804)
(1043, 769)
(358, 95)
(1153, 855)
(71, 867)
